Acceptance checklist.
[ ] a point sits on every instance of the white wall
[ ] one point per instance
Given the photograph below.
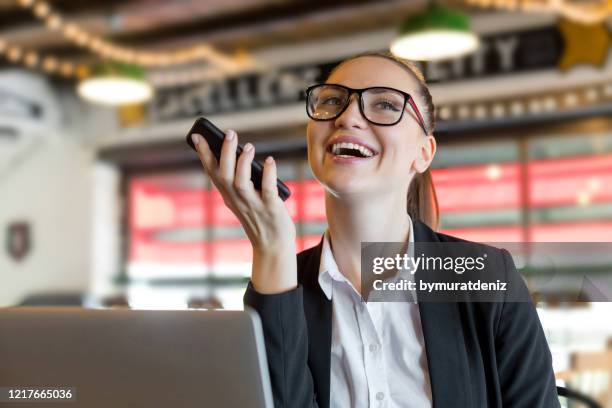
(47, 183)
(51, 191)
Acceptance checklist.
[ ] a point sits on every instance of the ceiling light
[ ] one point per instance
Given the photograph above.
(115, 85)
(435, 34)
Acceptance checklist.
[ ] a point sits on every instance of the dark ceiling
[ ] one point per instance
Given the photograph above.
(228, 25)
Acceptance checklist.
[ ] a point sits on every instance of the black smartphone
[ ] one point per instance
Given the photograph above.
(214, 136)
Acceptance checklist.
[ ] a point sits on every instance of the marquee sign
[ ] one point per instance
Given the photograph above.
(500, 54)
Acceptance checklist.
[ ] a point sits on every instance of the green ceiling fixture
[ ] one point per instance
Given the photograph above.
(116, 84)
(436, 33)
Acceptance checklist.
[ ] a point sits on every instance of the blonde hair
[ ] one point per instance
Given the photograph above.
(422, 198)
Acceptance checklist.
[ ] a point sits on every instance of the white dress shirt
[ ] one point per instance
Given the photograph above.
(378, 354)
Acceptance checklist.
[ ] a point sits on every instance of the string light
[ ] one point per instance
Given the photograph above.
(79, 36)
(480, 112)
(586, 12)
(14, 54)
(50, 64)
(463, 112)
(591, 94)
(40, 9)
(66, 69)
(571, 100)
(445, 113)
(31, 59)
(498, 110)
(516, 107)
(34, 60)
(53, 21)
(535, 106)
(550, 104)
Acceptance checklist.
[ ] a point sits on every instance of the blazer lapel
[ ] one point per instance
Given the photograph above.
(444, 344)
(318, 311)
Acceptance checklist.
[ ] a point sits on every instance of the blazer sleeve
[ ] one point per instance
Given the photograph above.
(523, 358)
(286, 338)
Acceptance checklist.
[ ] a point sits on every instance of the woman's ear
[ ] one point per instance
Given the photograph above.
(427, 151)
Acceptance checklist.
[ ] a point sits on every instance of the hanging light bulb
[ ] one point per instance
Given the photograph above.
(115, 85)
(435, 34)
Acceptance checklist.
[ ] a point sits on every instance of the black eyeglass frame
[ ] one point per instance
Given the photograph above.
(407, 99)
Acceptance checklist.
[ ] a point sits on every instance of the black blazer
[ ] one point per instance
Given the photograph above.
(479, 354)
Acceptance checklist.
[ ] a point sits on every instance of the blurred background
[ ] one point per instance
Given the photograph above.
(103, 204)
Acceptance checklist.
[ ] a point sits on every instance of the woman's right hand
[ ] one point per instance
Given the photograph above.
(263, 215)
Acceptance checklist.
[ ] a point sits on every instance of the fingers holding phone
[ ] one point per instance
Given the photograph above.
(269, 189)
(263, 215)
(242, 181)
(227, 165)
(230, 175)
(207, 158)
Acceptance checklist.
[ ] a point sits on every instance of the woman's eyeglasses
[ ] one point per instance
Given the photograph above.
(379, 105)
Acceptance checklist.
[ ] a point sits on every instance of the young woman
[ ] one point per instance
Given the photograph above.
(370, 144)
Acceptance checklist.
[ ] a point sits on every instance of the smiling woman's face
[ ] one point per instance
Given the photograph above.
(400, 150)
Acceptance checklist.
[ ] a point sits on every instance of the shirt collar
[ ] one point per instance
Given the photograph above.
(328, 269)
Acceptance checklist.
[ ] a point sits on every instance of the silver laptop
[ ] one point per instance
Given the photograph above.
(132, 358)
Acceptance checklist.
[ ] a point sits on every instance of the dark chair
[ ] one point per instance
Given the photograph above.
(575, 396)
(53, 299)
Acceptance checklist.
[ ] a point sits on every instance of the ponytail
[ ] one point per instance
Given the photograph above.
(422, 200)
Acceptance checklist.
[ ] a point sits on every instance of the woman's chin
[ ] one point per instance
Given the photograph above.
(347, 185)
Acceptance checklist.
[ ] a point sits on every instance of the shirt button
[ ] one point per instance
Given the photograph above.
(373, 347)
(380, 395)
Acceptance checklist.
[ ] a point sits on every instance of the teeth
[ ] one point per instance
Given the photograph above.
(364, 150)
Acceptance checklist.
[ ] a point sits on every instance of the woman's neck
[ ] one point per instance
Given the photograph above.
(383, 219)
